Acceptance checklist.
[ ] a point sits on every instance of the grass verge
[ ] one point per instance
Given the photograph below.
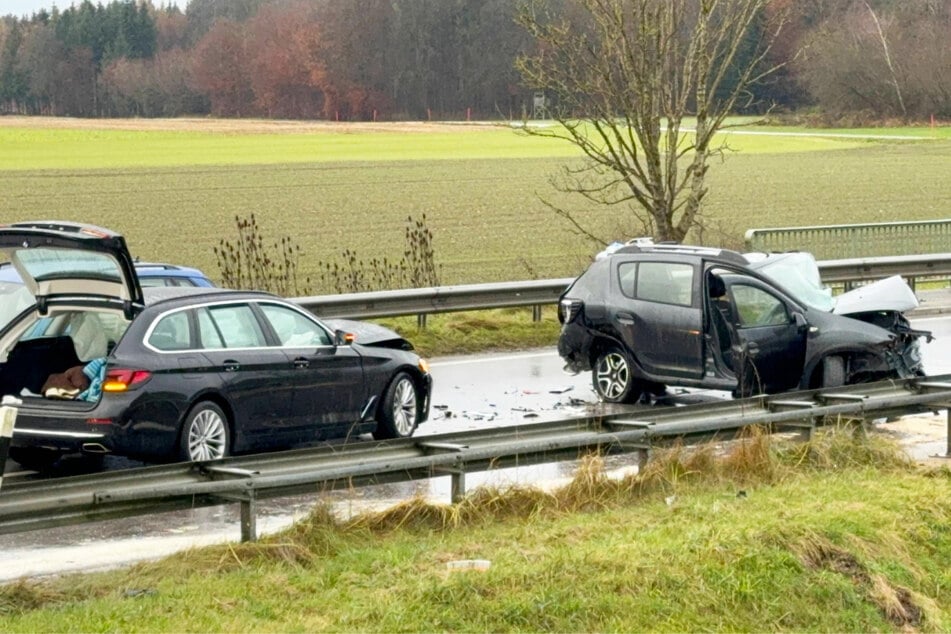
(842, 534)
(478, 331)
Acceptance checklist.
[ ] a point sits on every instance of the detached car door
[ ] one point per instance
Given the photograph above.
(772, 342)
(658, 314)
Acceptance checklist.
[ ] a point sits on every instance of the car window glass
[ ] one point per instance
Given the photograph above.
(51, 262)
(293, 328)
(665, 282)
(208, 331)
(171, 332)
(164, 281)
(238, 326)
(14, 299)
(755, 307)
(627, 276)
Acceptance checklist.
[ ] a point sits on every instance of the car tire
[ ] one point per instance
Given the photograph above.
(34, 458)
(612, 379)
(399, 409)
(205, 434)
(833, 371)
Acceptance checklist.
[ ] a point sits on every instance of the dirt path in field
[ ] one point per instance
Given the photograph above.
(238, 126)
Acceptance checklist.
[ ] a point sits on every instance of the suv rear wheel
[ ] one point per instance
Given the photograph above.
(612, 378)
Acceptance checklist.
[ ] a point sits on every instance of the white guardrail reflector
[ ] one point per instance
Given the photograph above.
(8, 416)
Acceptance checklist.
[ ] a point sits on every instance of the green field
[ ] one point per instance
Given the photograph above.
(174, 193)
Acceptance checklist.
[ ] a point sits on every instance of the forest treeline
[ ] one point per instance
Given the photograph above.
(423, 59)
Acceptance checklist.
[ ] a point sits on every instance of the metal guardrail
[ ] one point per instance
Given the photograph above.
(247, 479)
(830, 241)
(444, 299)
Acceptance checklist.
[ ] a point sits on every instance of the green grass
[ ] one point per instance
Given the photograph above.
(478, 331)
(67, 149)
(839, 536)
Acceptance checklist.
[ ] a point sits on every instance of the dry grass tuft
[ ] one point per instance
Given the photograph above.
(413, 514)
(897, 604)
(489, 504)
(590, 489)
(752, 459)
(23, 596)
(846, 444)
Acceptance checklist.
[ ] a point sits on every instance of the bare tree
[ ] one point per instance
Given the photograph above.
(622, 76)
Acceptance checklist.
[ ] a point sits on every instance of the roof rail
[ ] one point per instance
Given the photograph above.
(685, 249)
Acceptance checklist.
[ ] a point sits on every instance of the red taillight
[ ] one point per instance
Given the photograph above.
(120, 380)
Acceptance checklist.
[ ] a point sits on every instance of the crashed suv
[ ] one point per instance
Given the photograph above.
(646, 316)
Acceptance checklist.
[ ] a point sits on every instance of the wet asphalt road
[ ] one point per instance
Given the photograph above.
(472, 392)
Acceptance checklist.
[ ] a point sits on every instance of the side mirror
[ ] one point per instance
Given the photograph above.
(343, 338)
(800, 320)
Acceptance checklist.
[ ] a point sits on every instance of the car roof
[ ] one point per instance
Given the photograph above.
(162, 294)
(165, 269)
(707, 253)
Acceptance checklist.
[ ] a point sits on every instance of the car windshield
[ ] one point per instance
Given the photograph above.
(798, 273)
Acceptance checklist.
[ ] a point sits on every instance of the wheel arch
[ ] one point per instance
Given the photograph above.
(221, 402)
(857, 362)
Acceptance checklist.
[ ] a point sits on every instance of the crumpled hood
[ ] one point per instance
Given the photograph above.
(890, 294)
(369, 334)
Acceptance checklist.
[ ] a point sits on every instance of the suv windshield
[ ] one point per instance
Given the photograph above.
(798, 273)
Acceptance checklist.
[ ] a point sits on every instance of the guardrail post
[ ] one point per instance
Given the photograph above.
(458, 486)
(249, 528)
(947, 418)
(643, 456)
(8, 416)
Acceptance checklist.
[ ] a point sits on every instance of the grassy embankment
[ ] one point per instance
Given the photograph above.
(174, 188)
(842, 535)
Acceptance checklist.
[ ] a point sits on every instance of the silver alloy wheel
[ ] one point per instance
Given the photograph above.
(404, 406)
(207, 435)
(613, 376)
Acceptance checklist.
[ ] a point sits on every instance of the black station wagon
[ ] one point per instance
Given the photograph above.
(647, 316)
(182, 374)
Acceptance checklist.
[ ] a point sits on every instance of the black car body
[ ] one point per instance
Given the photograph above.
(646, 316)
(188, 373)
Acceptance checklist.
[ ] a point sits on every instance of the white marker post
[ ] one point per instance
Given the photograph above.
(8, 416)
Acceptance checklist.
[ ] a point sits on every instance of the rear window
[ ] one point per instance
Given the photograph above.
(665, 282)
(51, 263)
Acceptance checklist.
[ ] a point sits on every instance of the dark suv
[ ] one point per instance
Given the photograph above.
(646, 316)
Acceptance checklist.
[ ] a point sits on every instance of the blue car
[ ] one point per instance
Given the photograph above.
(149, 273)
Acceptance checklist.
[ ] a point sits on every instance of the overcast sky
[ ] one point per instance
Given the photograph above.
(22, 8)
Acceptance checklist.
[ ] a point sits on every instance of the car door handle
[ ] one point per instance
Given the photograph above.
(301, 362)
(231, 365)
(625, 318)
(752, 349)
